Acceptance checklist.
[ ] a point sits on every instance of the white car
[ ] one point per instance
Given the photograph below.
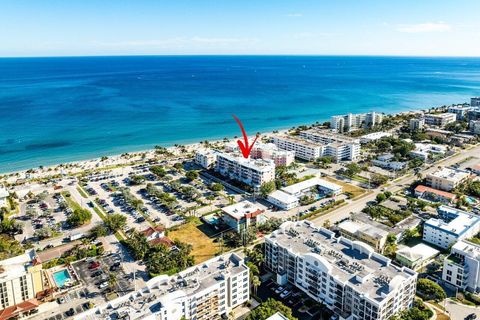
(103, 285)
(279, 289)
(285, 294)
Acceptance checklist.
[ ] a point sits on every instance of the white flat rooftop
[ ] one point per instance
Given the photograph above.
(451, 174)
(299, 187)
(283, 196)
(240, 209)
(420, 251)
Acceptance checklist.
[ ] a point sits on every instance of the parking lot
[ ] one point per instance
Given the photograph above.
(302, 306)
(104, 277)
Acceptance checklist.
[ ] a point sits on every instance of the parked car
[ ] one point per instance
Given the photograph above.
(103, 285)
(279, 289)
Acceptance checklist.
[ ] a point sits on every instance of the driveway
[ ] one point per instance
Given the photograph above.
(460, 311)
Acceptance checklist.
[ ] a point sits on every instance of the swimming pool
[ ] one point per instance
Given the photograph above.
(471, 200)
(61, 277)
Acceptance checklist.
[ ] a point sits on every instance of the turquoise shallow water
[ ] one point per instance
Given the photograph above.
(55, 110)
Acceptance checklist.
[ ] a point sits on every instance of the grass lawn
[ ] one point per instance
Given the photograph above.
(354, 190)
(203, 247)
(70, 202)
(82, 193)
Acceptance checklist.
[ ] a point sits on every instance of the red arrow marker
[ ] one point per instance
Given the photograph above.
(244, 146)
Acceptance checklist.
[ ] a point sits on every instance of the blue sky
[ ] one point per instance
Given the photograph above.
(348, 27)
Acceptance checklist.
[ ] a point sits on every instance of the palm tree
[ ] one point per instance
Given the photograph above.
(255, 284)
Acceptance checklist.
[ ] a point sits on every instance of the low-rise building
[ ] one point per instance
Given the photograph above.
(438, 133)
(156, 235)
(210, 290)
(439, 119)
(417, 124)
(434, 195)
(253, 172)
(206, 158)
(415, 257)
(451, 226)
(283, 200)
(348, 277)
(446, 178)
(21, 280)
(324, 186)
(475, 102)
(387, 161)
(370, 234)
(462, 267)
(269, 151)
(426, 150)
(240, 216)
(374, 136)
(3, 196)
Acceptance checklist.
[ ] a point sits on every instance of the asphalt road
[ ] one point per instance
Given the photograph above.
(357, 205)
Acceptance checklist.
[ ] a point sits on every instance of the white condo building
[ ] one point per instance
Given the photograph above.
(417, 124)
(206, 291)
(460, 110)
(269, 151)
(446, 178)
(440, 119)
(347, 276)
(309, 150)
(462, 267)
(451, 226)
(338, 146)
(206, 158)
(350, 122)
(249, 171)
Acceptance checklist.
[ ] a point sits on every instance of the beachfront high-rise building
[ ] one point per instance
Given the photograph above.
(253, 172)
(210, 290)
(439, 119)
(350, 122)
(308, 149)
(460, 110)
(21, 279)
(271, 151)
(475, 102)
(349, 277)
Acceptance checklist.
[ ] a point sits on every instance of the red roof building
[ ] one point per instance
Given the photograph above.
(19, 309)
(434, 195)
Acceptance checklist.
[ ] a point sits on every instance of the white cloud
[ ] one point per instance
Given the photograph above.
(424, 27)
(295, 15)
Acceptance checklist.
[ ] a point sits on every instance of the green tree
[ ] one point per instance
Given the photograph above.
(267, 188)
(136, 180)
(98, 231)
(380, 197)
(429, 290)
(352, 169)
(269, 308)
(191, 175)
(378, 179)
(79, 217)
(115, 221)
(159, 171)
(217, 187)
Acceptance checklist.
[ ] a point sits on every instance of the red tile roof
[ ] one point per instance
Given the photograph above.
(444, 194)
(151, 230)
(15, 310)
(163, 240)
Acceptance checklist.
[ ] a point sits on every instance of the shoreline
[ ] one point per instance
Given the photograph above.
(118, 159)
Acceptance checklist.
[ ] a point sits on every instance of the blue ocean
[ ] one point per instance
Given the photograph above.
(55, 110)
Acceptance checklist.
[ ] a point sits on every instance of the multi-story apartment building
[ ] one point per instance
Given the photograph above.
(451, 226)
(446, 178)
(21, 279)
(417, 124)
(307, 149)
(350, 122)
(474, 126)
(206, 291)
(462, 267)
(370, 234)
(339, 147)
(475, 102)
(349, 277)
(270, 151)
(206, 158)
(460, 110)
(440, 119)
(303, 149)
(424, 150)
(249, 171)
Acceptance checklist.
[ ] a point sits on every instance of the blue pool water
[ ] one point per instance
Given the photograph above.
(55, 110)
(61, 277)
(471, 200)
